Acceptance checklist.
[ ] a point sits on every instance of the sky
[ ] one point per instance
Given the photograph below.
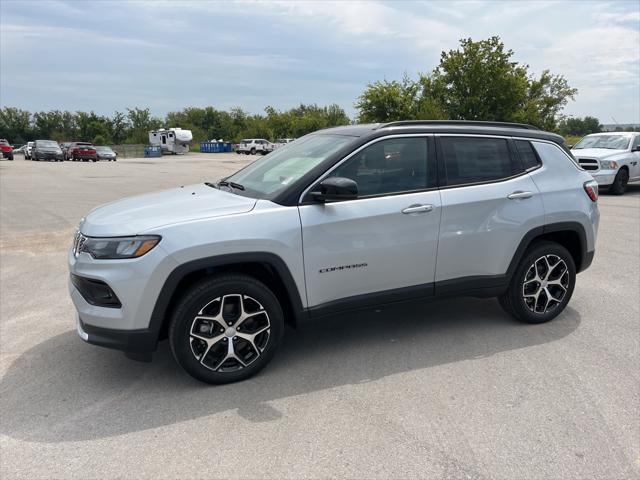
(109, 55)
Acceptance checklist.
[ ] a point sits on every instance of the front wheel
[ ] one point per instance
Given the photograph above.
(619, 184)
(226, 328)
(542, 284)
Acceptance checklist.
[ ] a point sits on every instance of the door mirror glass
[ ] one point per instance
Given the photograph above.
(335, 189)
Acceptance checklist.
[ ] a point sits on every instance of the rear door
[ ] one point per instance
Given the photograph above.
(383, 243)
(489, 203)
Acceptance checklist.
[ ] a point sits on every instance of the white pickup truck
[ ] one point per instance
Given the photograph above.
(251, 146)
(612, 158)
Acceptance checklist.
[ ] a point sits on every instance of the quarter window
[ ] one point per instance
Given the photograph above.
(476, 159)
(527, 154)
(389, 166)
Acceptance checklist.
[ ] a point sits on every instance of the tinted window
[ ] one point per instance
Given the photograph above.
(527, 154)
(475, 159)
(636, 142)
(389, 166)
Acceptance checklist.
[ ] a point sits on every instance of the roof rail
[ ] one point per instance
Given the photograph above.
(405, 123)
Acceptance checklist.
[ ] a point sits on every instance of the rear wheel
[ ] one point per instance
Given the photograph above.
(253, 151)
(542, 285)
(619, 184)
(226, 328)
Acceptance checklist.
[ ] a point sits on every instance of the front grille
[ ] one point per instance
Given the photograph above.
(588, 163)
(78, 243)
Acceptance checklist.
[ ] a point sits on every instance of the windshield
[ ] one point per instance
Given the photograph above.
(612, 142)
(104, 149)
(272, 174)
(48, 143)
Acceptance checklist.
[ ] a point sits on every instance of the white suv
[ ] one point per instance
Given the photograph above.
(612, 158)
(344, 218)
(251, 146)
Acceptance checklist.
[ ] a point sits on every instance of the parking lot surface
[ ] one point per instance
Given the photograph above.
(453, 389)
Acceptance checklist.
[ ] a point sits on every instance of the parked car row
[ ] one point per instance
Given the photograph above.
(50, 150)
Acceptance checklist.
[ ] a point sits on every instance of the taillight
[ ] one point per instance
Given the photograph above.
(591, 187)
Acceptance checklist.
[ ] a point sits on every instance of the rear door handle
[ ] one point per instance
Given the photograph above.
(418, 209)
(519, 194)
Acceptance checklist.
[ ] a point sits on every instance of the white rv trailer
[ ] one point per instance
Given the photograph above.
(171, 140)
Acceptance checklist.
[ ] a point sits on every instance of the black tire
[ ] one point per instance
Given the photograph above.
(619, 184)
(253, 151)
(10, 156)
(529, 309)
(238, 152)
(205, 295)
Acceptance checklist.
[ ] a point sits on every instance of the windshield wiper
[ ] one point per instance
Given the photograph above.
(226, 183)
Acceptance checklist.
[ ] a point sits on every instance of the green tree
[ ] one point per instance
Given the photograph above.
(387, 101)
(15, 125)
(119, 126)
(478, 81)
(579, 126)
(141, 123)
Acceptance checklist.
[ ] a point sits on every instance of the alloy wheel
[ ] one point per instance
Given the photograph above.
(545, 284)
(229, 333)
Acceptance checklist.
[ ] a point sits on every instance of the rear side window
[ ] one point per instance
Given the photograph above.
(476, 159)
(527, 154)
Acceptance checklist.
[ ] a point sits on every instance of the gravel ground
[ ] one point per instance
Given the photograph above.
(452, 389)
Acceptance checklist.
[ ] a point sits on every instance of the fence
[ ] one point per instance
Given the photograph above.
(129, 151)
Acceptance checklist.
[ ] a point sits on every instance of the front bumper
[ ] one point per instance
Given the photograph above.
(604, 177)
(136, 284)
(131, 341)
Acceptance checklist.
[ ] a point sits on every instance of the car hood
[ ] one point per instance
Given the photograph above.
(139, 214)
(596, 152)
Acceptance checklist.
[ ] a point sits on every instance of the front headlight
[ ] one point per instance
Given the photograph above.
(118, 247)
(608, 165)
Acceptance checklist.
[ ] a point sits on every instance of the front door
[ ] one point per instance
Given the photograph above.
(382, 245)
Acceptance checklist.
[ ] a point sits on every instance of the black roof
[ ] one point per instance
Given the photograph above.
(445, 126)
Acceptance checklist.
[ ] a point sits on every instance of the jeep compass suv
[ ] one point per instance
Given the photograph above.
(344, 218)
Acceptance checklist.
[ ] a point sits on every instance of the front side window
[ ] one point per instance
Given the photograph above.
(389, 166)
(636, 143)
(476, 159)
(273, 173)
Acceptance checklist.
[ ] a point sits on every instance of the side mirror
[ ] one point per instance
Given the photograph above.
(570, 146)
(335, 189)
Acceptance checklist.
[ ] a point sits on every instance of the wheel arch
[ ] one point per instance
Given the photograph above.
(571, 235)
(264, 266)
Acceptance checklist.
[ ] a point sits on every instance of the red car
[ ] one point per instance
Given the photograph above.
(6, 148)
(81, 151)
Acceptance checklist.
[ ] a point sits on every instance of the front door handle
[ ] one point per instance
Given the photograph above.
(418, 209)
(519, 194)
